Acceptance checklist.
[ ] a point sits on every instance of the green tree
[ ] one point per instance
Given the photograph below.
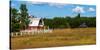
(78, 16)
(77, 20)
(15, 26)
(24, 16)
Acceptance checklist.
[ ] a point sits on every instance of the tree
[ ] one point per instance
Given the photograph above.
(24, 16)
(15, 26)
(20, 20)
(77, 20)
(68, 22)
(78, 16)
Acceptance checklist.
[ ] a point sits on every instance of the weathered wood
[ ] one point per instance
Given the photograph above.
(30, 32)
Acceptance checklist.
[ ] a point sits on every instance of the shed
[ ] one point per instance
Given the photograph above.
(36, 23)
(83, 25)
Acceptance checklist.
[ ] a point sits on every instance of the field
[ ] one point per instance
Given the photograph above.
(59, 37)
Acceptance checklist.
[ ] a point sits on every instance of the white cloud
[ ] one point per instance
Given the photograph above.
(91, 9)
(78, 9)
(59, 5)
(32, 2)
(36, 3)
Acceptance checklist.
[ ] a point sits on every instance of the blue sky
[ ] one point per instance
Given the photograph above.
(50, 10)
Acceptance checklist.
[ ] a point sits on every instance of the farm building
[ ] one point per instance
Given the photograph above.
(36, 23)
(83, 25)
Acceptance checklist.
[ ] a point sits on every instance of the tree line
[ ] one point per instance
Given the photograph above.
(70, 22)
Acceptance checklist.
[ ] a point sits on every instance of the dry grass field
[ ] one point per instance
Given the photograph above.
(59, 37)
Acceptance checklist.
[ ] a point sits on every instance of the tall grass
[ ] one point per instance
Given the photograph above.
(59, 37)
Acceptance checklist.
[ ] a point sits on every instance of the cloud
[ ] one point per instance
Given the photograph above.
(78, 9)
(37, 3)
(91, 9)
(32, 2)
(58, 5)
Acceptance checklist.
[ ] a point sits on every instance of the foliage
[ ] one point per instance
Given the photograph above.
(24, 16)
(19, 21)
(68, 22)
(14, 20)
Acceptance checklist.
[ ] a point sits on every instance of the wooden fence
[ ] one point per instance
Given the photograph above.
(30, 32)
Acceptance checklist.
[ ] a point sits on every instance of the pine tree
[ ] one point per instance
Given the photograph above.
(24, 21)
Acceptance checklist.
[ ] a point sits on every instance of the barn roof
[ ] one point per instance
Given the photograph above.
(34, 21)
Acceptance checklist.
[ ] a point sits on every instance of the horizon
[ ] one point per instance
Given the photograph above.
(51, 10)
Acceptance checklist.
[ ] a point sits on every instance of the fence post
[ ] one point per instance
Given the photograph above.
(21, 33)
(12, 34)
(16, 34)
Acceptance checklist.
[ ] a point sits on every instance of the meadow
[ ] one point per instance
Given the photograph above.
(59, 37)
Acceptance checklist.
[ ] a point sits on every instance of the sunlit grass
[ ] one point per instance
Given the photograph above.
(59, 37)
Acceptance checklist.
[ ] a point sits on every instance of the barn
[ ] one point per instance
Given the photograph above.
(36, 23)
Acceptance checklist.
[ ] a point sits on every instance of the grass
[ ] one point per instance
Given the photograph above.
(59, 37)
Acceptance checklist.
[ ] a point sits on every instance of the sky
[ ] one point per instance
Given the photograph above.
(51, 10)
